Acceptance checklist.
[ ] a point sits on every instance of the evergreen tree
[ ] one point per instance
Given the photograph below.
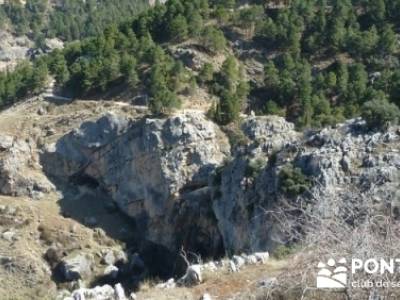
(178, 29)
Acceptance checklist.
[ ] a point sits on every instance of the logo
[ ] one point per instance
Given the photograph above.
(332, 275)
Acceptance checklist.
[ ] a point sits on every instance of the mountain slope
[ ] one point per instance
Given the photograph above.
(315, 62)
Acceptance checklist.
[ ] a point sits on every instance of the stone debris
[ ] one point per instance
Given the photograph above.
(105, 292)
(169, 284)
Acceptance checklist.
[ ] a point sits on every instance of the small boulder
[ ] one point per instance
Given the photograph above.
(232, 267)
(251, 259)
(108, 258)
(262, 256)
(6, 142)
(111, 271)
(9, 235)
(105, 292)
(132, 296)
(77, 266)
(239, 261)
(192, 276)
(206, 297)
(120, 257)
(119, 292)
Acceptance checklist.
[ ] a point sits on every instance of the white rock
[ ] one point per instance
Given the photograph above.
(262, 256)
(111, 271)
(206, 297)
(108, 257)
(105, 292)
(251, 259)
(169, 284)
(132, 296)
(192, 277)
(119, 292)
(9, 235)
(232, 267)
(239, 261)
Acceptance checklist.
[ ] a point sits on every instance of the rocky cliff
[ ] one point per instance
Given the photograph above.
(156, 170)
(177, 179)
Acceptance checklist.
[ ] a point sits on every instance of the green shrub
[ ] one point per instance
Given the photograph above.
(380, 114)
(255, 167)
(292, 181)
(283, 251)
(271, 108)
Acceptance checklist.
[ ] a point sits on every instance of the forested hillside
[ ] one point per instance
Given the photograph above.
(323, 60)
(67, 20)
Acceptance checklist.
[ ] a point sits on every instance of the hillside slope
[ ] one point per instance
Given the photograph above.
(314, 62)
(169, 155)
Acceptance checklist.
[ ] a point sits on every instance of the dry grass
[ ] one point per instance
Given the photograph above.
(220, 284)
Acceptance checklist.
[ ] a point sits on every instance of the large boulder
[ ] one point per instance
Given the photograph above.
(156, 170)
(76, 266)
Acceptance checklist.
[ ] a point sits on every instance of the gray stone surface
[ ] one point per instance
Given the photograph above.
(163, 173)
(16, 176)
(77, 266)
(156, 170)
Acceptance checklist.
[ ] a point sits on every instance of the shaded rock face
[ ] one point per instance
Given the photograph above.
(155, 170)
(338, 161)
(245, 192)
(16, 158)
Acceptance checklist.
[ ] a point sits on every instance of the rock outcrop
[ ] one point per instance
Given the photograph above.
(336, 162)
(17, 165)
(12, 49)
(244, 189)
(173, 176)
(156, 170)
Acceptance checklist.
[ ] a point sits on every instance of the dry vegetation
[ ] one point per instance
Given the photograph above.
(220, 284)
(354, 226)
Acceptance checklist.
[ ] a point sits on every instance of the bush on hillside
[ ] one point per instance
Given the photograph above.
(292, 181)
(380, 114)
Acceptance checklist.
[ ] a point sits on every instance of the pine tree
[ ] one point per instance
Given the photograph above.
(178, 29)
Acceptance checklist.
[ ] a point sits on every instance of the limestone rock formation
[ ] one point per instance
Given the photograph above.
(12, 49)
(17, 165)
(336, 161)
(174, 178)
(156, 170)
